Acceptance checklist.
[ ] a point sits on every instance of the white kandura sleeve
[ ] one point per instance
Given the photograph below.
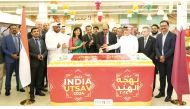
(50, 42)
(115, 46)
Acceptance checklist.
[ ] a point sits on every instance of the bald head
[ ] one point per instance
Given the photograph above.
(105, 28)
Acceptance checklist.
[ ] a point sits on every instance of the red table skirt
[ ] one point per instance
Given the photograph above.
(130, 85)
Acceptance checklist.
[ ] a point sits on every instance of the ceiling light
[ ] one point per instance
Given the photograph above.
(160, 11)
(149, 17)
(165, 17)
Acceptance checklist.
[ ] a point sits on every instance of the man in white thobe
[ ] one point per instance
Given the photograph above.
(128, 43)
(54, 42)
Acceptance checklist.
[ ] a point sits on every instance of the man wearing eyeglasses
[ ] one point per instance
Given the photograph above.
(165, 46)
(106, 38)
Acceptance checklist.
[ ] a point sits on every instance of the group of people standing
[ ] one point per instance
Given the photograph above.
(46, 43)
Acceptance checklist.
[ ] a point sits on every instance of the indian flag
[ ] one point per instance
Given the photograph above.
(24, 62)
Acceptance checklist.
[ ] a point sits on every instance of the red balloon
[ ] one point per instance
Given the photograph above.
(97, 5)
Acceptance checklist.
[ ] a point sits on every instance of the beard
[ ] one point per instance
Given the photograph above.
(154, 33)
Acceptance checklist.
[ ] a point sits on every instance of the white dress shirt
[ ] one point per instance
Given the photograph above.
(127, 44)
(163, 41)
(145, 40)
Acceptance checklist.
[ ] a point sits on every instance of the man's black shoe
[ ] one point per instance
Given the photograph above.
(167, 99)
(21, 90)
(40, 93)
(159, 95)
(32, 97)
(7, 93)
(46, 86)
(45, 90)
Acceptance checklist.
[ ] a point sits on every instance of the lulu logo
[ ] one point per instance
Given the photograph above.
(127, 85)
(77, 85)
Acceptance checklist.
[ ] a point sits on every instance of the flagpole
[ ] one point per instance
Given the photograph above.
(27, 101)
(24, 72)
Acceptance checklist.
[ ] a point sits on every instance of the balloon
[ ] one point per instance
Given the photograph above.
(53, 11)
(149, 7)
(65, 7)
(98, 3)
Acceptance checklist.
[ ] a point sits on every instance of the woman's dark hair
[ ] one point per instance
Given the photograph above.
(80, 36)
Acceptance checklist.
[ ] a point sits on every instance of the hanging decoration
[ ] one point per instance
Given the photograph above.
(66, 9)
(149, 7)
(54, 6)
(72, 15)
(129, 13)
(148, 4)
(135, 9)
(100, 16)
(98, 3)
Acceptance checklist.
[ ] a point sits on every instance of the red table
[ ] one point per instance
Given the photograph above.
(101, 79)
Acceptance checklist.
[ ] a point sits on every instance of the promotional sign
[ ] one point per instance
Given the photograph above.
(100, 85)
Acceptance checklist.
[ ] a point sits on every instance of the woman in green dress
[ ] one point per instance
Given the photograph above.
(76, 44)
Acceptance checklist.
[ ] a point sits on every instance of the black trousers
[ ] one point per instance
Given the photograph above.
(165, 71)
(36, 76)
(45, 79)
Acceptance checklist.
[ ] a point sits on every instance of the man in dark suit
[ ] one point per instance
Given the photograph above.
(38, 52)
(89, 38)
(11, 49)
(147, 46)
(106, 38)
(165, 46)
(44, 31)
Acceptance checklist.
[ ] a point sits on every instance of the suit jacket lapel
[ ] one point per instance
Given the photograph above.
(167, 39)
(102, 38)
(148, 42)
(41, 45)
(88, 39)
